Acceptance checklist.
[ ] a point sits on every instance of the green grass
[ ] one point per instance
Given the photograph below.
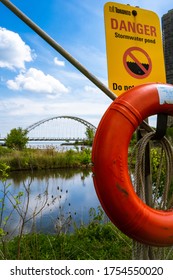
(35, 159)
(92, 242)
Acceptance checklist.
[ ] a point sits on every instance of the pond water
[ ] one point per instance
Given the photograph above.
(46, 201)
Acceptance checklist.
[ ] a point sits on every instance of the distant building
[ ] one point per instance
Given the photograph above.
(167, 31)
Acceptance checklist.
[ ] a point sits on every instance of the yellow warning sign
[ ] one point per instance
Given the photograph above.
(134, 47)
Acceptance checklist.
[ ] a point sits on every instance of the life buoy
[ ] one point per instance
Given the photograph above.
(110, 164)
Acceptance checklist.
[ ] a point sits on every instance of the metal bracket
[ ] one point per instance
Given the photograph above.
(161, 126)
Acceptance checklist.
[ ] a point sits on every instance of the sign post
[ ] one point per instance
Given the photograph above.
(134, 47)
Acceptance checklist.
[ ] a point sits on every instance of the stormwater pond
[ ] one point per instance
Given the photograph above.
(48, 201)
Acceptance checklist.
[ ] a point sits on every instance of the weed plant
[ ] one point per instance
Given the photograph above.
(96, 241)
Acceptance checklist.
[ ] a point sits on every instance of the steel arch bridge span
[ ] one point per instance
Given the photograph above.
(59, 128)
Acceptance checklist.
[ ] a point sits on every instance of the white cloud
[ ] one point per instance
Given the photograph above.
(25, 107)
(13, 50)
(91, 89)
(36, 81)
(21, 107)
(59, 62)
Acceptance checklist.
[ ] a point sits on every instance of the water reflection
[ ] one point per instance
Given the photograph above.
(47, 201)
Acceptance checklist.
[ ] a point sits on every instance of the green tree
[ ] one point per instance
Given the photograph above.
(17, 139)
(169, 133)
(90, 135)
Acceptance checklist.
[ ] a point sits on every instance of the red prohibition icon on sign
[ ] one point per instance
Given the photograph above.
(136, 67)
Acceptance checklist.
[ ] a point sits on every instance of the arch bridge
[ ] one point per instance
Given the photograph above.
(59, 128)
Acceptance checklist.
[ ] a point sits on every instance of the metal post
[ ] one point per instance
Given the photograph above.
(58, 48)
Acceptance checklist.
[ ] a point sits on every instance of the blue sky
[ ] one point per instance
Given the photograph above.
(36, 82)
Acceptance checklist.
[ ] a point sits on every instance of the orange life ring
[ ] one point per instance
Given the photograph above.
(110, 164)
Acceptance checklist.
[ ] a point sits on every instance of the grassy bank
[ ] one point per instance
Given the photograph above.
(49, 158)
(93, 242)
